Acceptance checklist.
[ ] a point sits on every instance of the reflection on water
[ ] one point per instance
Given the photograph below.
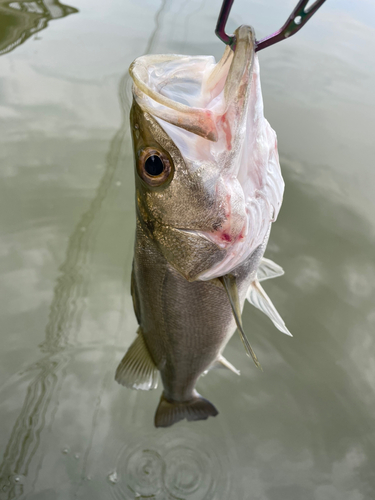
(62, 328)
(25, 437)
(302, 429)
(66, 307)
(20, 20)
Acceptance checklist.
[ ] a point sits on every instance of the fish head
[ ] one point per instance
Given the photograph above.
(208, 181)
(177, 201)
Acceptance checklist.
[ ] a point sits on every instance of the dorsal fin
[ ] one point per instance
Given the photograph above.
(258, 298)
(137, 369)
(268, 269)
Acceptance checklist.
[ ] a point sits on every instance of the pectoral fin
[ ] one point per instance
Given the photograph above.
(229, 282)
(268, 269)
(258, 298)
(137, 369)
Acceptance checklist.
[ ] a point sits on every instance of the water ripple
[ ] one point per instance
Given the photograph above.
(171, 468)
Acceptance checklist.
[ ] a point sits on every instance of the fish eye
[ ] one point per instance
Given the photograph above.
(154, 167)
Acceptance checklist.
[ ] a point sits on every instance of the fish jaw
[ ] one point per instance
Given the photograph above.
(227, 186)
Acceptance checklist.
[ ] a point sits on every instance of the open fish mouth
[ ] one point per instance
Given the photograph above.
(214, 115)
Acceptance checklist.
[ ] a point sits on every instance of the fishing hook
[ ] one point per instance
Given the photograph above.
(294, 23)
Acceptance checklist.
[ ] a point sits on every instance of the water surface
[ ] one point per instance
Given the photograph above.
(304, 428)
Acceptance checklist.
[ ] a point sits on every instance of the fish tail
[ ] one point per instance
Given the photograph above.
(170, 412)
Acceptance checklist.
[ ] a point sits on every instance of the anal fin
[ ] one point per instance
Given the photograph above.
(259, 299)
(222, 362)
(137, 369)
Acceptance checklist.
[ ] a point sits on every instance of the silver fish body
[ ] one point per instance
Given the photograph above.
(208, 187)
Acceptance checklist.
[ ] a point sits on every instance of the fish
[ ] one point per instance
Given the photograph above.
(208, 187)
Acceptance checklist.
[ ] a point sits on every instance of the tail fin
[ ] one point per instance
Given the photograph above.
(170, 412)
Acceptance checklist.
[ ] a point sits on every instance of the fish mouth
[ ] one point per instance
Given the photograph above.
(156, 80)
(194, 93)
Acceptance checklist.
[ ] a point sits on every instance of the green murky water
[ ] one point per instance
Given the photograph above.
(305, 428)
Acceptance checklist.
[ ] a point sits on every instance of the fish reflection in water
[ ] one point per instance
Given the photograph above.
(19, 20)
